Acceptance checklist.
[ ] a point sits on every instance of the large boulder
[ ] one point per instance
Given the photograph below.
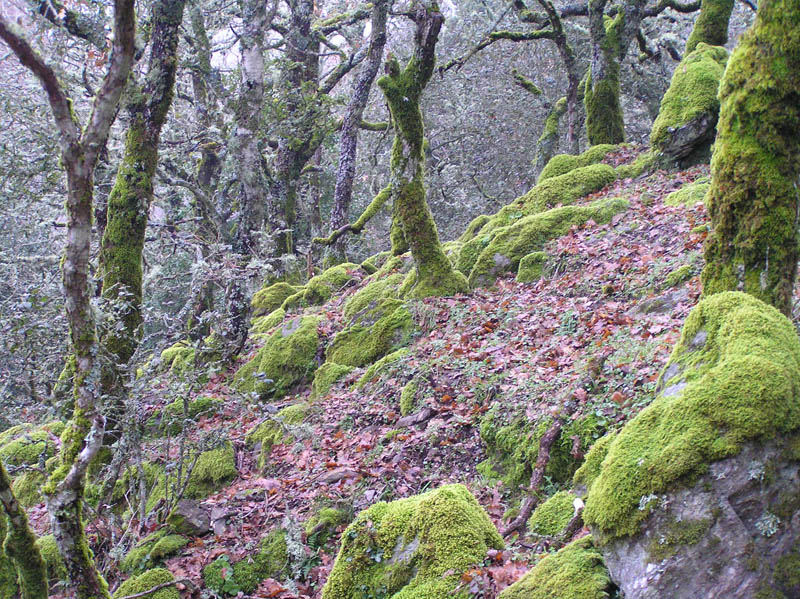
(709, 473)
(412, 548)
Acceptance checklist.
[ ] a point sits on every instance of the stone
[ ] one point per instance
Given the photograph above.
(190, 518)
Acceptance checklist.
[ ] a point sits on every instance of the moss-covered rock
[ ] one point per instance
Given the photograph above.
(412, 548)
(28, 445)
(56, 570)
(531, 267)
(574, 572)
(378, 367)
(151, 551)
(171, 418)
(643, 163)
(212, 471)
(512, 243)
(286, 359)
(561, 164)
(590, 469)
(271, 298)
(373, 333)
(146, 581)
(686, 124)
(475, 225)
(379, 288)
(734, 377)
(374, 263)
(271, 561)
(295, 301)
(690, 194)
(276, 429)
(264, 324)
(551, 517)
(179, 357)
(320, 288)
(679, 275)
(326, 375)
(27, 486)
(323, 524)
(408, 397)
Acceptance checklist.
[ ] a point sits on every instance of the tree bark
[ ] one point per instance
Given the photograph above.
(711, 26)
(754, 200)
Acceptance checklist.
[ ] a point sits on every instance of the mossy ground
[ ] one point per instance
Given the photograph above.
(270, 561)
(146, 581)
(551, 517)
(561, 164)
(276, 429)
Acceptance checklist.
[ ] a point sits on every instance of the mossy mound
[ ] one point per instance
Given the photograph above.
(408, 397)
(590, 469)
(372, 334)
(412, 548)
(265, 324)
(643, 163)
(319, 289)
(326, 375)
(690, 194)
(679, 275)
(323, 524)
(28, 445)
(378, 367)
(276, 429)
(287, 358)
(377, 289)
(56, 570)
(551, 517)
(513, 447)
(146, 581)
(561, 164)
(475, 225)
(271, 298)
(531, 267)
(374, 263)
(574, 572)
(179, 357)
(271, 561)
(734, 377)
(686, 124)
(152, 550)
(213, 470)
(171, 419)
(504, 252)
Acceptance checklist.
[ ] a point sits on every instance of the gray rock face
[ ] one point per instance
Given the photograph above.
(190, 518)
(734, 534)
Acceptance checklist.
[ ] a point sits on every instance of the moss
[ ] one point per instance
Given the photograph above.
(319, 289)
(561, 164)
(412, 548)
(643, 163)
(590, 469)
(171, 418)
(752, 202)
(378, 367)
(146, 581)
(690, 194)
(531, 267)
(711, 25)
(374, 263)
(604, 120)
(677, 534)
(8, 571)
(27, 445)
(151, 550)
(212, 471)
(408, 397)
(264, 324)
(322, 525)
(475, 225)
(244, 576)
(691, 97)
(276, 430)
(547, 144)
(575, 572)
(326, 375)
(504, 252)
(372, 293)
(552, 516)
(286, 359)
(179, 357)
(294, 301)
(56, 570)
(270, 298)
(787, 574)
(679, 275)
(372, 334)
(27, 488)
(734, 377)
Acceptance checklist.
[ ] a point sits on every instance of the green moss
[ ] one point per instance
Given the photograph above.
(643, 163)
(734, 377)
(692, 96)
(677, 534)
(322, 525)
(408, 397)
(590, 469)
(326, 375)
(146, 581)
(320, 288)
(412, 548)
(27, 445)
(212, 471)
(8, 571)
(604, 120)
(27, 487)
(151, 550)
(510, 244)
(270, 298)
(286, 359)
(372, 293)
(244, 576)
(711, 26)
(276, 430)
(575, 572)
(475, 225)
(531, 267)
(265, 324)
(547, 144)
(787, 573)
(561, 164)
(56, 570)
(679, 275)
(690, 194)
(295, 301)
(374, 263)
(552, 516)
(378, 367)
(171, 418)
(179, 357)
(372, 334)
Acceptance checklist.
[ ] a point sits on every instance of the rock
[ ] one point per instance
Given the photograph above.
(190, 518)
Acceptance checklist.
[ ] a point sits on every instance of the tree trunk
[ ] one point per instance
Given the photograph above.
(403, 90)
(348, 142)
(547, 145)
(711, 26)
(754, 200)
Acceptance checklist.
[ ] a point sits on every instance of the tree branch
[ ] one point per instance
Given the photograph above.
(357, 227)
(74, 22)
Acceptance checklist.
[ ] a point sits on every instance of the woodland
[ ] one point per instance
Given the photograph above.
(332, 299)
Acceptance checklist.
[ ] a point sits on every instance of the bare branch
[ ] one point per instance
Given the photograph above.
(74, 22)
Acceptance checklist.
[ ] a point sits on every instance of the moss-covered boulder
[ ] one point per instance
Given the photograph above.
(264, 324)
(412, 548)
(690, 194)
(551, 517)
(320, 288)
(172, 418)
(31, 451)
(475, 225)
(286, 359)
(56, 569)
(327, 375)
(212, 471)
(152, 550)
(378, 288)
(574, 572)
(276, 429)
(179, 357)
(386, 362)
(270, 561)
(373, 333)
(146, 581)
(561, 164)
(531, 267)
(323, 524)
(686, 124)
(510, 244)
(709, 471)
(271, 298)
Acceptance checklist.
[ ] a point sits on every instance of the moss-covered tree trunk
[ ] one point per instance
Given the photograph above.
(711, 26)
(754, 200)
(129, 205)
(403, 90)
